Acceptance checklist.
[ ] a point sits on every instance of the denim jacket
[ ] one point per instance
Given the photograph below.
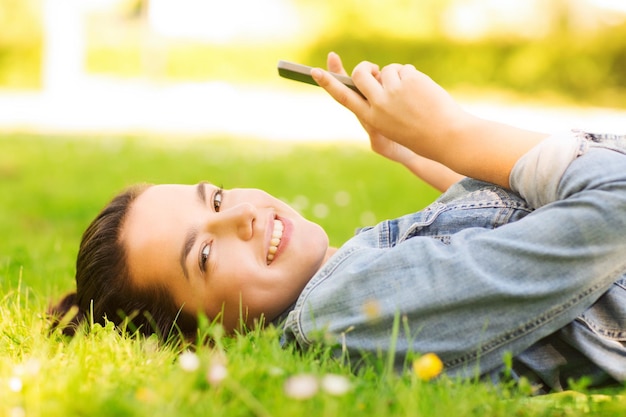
(537, 272)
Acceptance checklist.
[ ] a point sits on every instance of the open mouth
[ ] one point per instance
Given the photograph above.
(277, 235)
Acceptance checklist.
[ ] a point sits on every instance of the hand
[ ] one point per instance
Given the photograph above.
(435, 174)
(390, 109)
(379, 143)
(405, 105)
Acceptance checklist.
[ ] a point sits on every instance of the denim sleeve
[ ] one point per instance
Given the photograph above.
(537, 175)
(482, 292)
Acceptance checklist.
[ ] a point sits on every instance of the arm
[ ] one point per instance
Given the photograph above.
(437, 175)
(408, 107)
(485, 291)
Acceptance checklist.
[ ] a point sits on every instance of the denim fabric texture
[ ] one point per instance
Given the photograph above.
(537, 272)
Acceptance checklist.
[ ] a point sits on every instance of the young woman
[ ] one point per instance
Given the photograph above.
(526, 255)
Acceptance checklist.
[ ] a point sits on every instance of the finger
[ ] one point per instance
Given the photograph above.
(348, 98)
(407, 71)
(334, 64)
(366, 77)
(390, 75)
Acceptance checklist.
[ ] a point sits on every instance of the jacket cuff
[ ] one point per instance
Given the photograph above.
(537, 174)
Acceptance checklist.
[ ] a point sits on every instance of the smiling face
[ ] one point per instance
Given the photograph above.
(213, 250)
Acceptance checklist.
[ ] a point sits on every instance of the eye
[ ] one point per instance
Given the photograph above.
(204, 256)
(217, 199)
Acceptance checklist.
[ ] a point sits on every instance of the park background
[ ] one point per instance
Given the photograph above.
(200, 66)
(96, 95)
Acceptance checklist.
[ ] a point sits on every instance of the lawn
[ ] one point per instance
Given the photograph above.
(51, 187)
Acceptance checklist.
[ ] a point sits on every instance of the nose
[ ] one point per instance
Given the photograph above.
(238, 219)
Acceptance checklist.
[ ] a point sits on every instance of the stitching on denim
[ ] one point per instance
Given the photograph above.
(497, 342)
(610, 141)
(612, 334)
(603, 137)
(384, 237)
(621, 282)
(501, 218)
(431, 212)
(445, 239)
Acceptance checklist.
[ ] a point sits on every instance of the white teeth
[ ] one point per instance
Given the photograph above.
(277, 234)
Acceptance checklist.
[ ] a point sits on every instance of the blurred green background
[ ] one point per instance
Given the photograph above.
(563, 50)
(51, 187)
(52, 183)
(177, 63)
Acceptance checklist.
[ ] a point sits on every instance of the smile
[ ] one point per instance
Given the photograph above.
(277, 235)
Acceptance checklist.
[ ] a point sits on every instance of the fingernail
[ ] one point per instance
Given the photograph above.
(316, 73)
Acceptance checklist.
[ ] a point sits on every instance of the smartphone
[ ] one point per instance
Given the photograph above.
(302, 73)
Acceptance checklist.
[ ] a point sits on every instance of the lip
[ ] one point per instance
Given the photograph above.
(284, 240)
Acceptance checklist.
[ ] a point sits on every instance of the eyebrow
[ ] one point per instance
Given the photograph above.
(192, 234)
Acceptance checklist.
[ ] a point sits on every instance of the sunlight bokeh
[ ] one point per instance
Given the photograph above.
(231, 21)
(198, 66)
(616, 5)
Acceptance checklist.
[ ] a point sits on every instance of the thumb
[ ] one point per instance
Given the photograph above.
(345, 96)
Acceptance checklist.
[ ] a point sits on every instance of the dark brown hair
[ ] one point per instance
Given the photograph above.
(104, 288)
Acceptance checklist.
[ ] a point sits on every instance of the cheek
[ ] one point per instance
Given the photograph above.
(233, 299)
(253, 292)
(226, 288)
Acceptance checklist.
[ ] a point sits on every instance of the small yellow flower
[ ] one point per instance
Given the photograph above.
(427, 366)
(145, 395)
(372, 309)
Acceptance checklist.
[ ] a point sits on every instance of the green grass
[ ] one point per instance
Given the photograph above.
(51, 187)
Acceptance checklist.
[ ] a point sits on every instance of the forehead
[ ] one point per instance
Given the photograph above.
(155, 229)
(157, 203)
(162, 192)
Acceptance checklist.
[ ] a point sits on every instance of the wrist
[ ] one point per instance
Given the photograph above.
(456, 138)
(485, 150)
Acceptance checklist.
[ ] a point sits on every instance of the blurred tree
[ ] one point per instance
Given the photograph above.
(20, 43)
(134, 9)
(20, 21)
(370, 18)
(563, 49)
